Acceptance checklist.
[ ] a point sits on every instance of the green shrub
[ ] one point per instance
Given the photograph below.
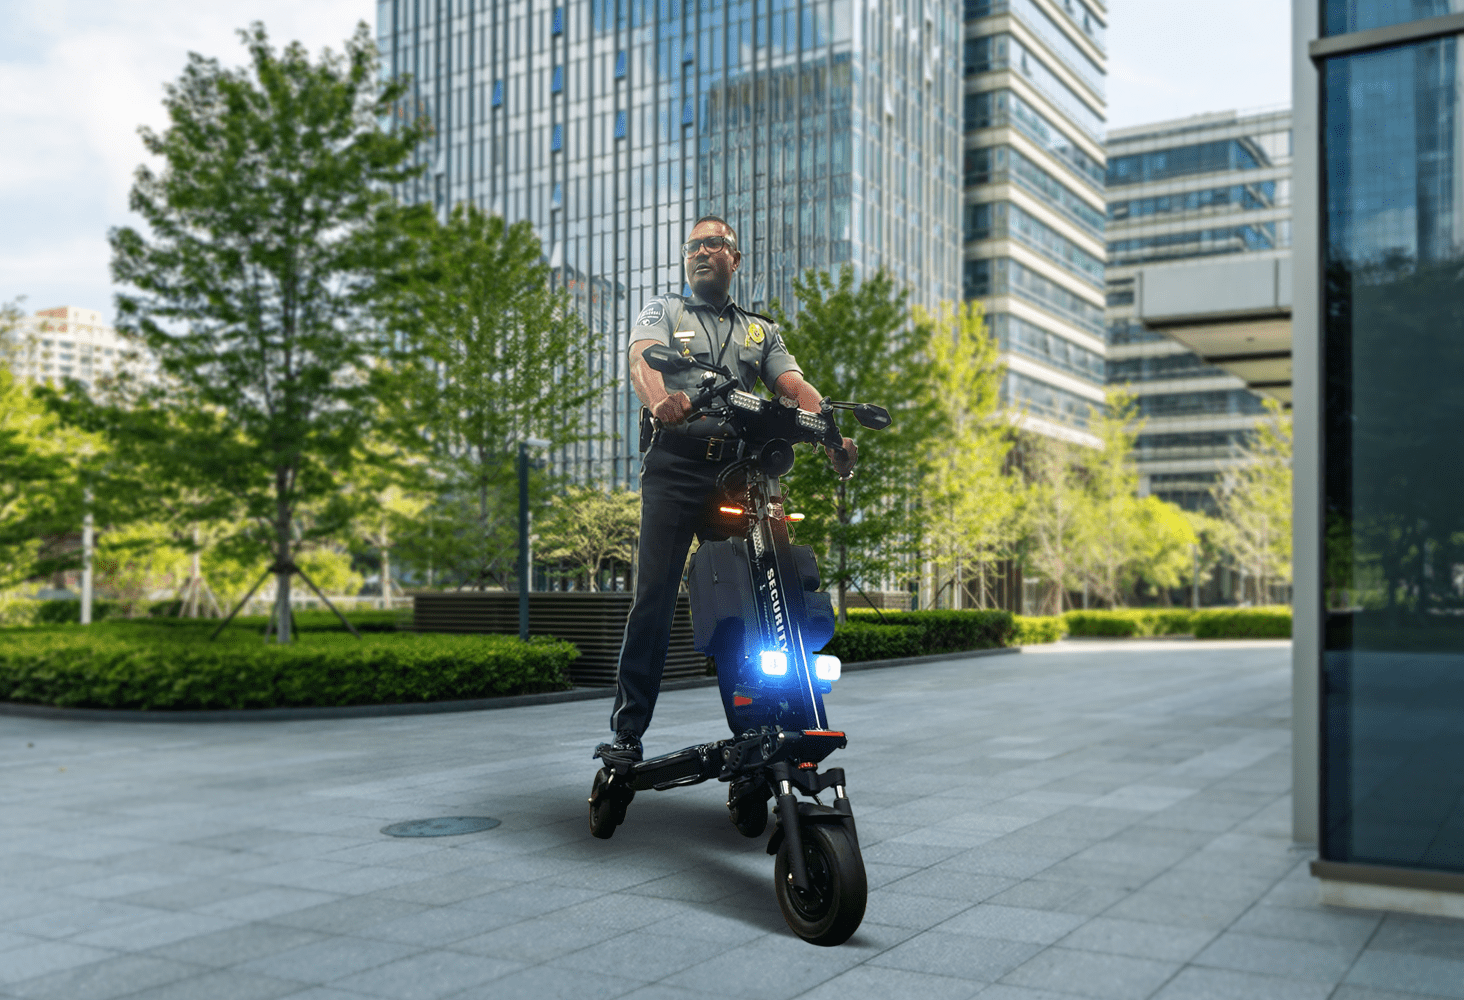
(898, 634)
(1128, 622)
(139, 665)
(63, 611)
(860, 641)
(1035, 630)
(18, 612)
(1243, 623)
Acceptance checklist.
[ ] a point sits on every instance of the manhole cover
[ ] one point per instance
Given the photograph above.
(445, 826)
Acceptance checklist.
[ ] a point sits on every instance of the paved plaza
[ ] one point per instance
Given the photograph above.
(1106, 820)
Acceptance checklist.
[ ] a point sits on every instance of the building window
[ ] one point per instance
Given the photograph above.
(557, 142)
(620, 124)
(686, 116)
(556, 81)
(620, 65)
(498, 93)
(558, 28)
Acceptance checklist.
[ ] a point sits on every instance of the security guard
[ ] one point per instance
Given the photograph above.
(679, 471)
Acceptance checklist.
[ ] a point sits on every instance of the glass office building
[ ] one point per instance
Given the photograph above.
(1033, 219)
(824, 131)
(1198, 189)
(1386, 538)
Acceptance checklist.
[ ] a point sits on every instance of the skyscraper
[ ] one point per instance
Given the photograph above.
(1199, 189)
(824, 131)
(1034, 206)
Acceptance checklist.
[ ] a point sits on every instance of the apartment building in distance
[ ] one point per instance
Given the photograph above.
(64, 342)
(825, 131)
(1034, 214)
(1210, 195)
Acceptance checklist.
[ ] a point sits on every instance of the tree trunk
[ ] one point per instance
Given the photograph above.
(385, 579)
(282, 579)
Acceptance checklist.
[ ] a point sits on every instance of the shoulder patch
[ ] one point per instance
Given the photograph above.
(652, 314)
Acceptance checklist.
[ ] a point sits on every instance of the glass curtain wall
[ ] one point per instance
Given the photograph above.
(824, 131)
(1393, 364)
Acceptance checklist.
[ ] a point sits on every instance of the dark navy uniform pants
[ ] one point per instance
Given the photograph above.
(678, 500)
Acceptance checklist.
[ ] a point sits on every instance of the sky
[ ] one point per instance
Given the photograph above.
(78, 77)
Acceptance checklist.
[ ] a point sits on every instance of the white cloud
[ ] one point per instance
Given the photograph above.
(77, 78)
(1175, 58)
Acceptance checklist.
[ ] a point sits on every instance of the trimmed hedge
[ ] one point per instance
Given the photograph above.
(898, 634)
(137, 665)
(1243, 623)
(1207, 623)
(60, 612)
(1037, 630)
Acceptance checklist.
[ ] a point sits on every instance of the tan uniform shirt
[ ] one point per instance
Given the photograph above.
(747, 343)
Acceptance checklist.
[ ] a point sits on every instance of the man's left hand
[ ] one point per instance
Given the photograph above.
(844, 466)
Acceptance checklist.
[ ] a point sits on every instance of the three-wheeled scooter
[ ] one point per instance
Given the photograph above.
(757, 611)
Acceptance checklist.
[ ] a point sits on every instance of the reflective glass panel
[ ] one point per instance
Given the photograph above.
(1342, 16)
(1393, 355)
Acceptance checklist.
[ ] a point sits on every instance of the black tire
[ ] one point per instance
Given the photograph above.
(608, 802)
(832, 908)
(749, 815)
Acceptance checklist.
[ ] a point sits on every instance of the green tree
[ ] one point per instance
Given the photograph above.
(495, 355)
(1052, 514)
(1110, 526)
(969, 505)
(1160, 545)
(268, 223)
(586, 527)
(1254, 502)
(858, 342)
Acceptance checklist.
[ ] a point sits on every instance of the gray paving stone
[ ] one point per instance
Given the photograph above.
(223, 984)
(964, 886)
(775, 966)
(1366, 993)
(547, 982)
(654, 957)
(1224, 984)
(892, 984)
(165, 928)
(1069, 897)
(1184, 911)
(34, 960)
(1142, 940)
(1288, 957)
(237, 944)
(1093, 974)
(1010, 923)
(1410, 972)
(104, 980)
(1438, 938)
(537, 939)
(429, 975)
(348, 916)
(960, 956)
(327, 960)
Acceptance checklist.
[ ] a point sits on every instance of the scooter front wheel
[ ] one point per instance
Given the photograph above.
(608, 803)
(830, 910)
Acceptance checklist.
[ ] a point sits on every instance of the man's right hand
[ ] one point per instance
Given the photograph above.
(673, 409)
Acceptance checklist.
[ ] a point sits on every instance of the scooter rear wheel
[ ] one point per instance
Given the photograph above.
(830, 910)
(608, 802)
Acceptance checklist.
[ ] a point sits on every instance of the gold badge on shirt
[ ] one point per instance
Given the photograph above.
(754, 334)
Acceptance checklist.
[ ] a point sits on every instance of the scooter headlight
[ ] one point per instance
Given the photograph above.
(826, 667)
(774, 662)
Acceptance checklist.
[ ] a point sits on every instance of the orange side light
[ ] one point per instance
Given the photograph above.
(821, 732)
(807, 765)
(731, 510)
(795, 517)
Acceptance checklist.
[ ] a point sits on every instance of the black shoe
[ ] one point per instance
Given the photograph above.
(627, 746)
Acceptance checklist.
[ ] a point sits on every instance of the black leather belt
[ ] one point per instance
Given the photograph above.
(706, 449)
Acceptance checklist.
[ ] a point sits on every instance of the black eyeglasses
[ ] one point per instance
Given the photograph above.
(712, 244)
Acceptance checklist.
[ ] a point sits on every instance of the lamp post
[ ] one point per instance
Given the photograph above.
(523, 559)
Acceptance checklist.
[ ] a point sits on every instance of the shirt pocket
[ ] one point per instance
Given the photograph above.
(749, 363)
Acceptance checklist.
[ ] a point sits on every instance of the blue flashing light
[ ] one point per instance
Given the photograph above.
(774, 662)
(827, 667)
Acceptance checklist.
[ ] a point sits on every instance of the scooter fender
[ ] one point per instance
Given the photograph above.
(841, 812)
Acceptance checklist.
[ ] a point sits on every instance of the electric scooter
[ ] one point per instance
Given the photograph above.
(757, 611)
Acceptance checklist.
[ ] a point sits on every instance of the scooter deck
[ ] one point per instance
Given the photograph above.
(726, 759)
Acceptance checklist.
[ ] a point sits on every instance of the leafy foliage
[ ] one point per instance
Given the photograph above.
(141, 665)
(857, 343)
(585, 527)
(267, 226)
(493, 355)
(1254, 501)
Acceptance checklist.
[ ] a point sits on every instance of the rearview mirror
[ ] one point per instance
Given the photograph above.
(876, 418)
(665, 359)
